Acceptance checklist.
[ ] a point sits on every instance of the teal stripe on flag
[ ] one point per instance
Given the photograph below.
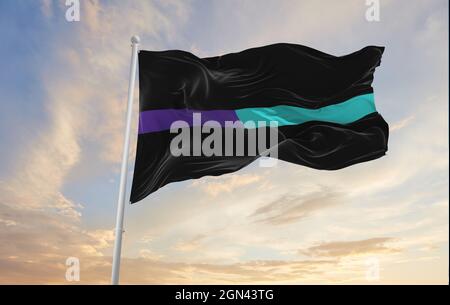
(343, 113)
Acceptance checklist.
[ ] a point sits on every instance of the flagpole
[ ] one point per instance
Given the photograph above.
(123, 171)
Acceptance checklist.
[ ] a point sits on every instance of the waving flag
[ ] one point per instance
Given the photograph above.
(320, 109)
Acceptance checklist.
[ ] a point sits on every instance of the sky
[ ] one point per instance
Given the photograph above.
(63, 89)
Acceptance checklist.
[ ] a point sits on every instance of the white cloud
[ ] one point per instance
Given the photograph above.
(217, 185)
(401, 124)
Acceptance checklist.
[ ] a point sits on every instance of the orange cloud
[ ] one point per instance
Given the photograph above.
(351, 248)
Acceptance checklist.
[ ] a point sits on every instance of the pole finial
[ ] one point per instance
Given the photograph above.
(135, 39)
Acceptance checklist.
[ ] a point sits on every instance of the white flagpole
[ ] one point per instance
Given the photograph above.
(123, 171)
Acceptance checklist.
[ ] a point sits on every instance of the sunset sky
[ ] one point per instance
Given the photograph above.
(63, 88)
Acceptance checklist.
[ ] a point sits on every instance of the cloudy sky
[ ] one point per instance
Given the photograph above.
(63, 89)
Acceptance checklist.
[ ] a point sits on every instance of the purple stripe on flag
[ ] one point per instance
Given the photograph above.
(162, 119)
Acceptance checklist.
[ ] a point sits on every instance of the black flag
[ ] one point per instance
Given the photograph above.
(211, 116)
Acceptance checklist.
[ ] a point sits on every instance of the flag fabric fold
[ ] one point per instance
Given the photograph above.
(322, 106)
